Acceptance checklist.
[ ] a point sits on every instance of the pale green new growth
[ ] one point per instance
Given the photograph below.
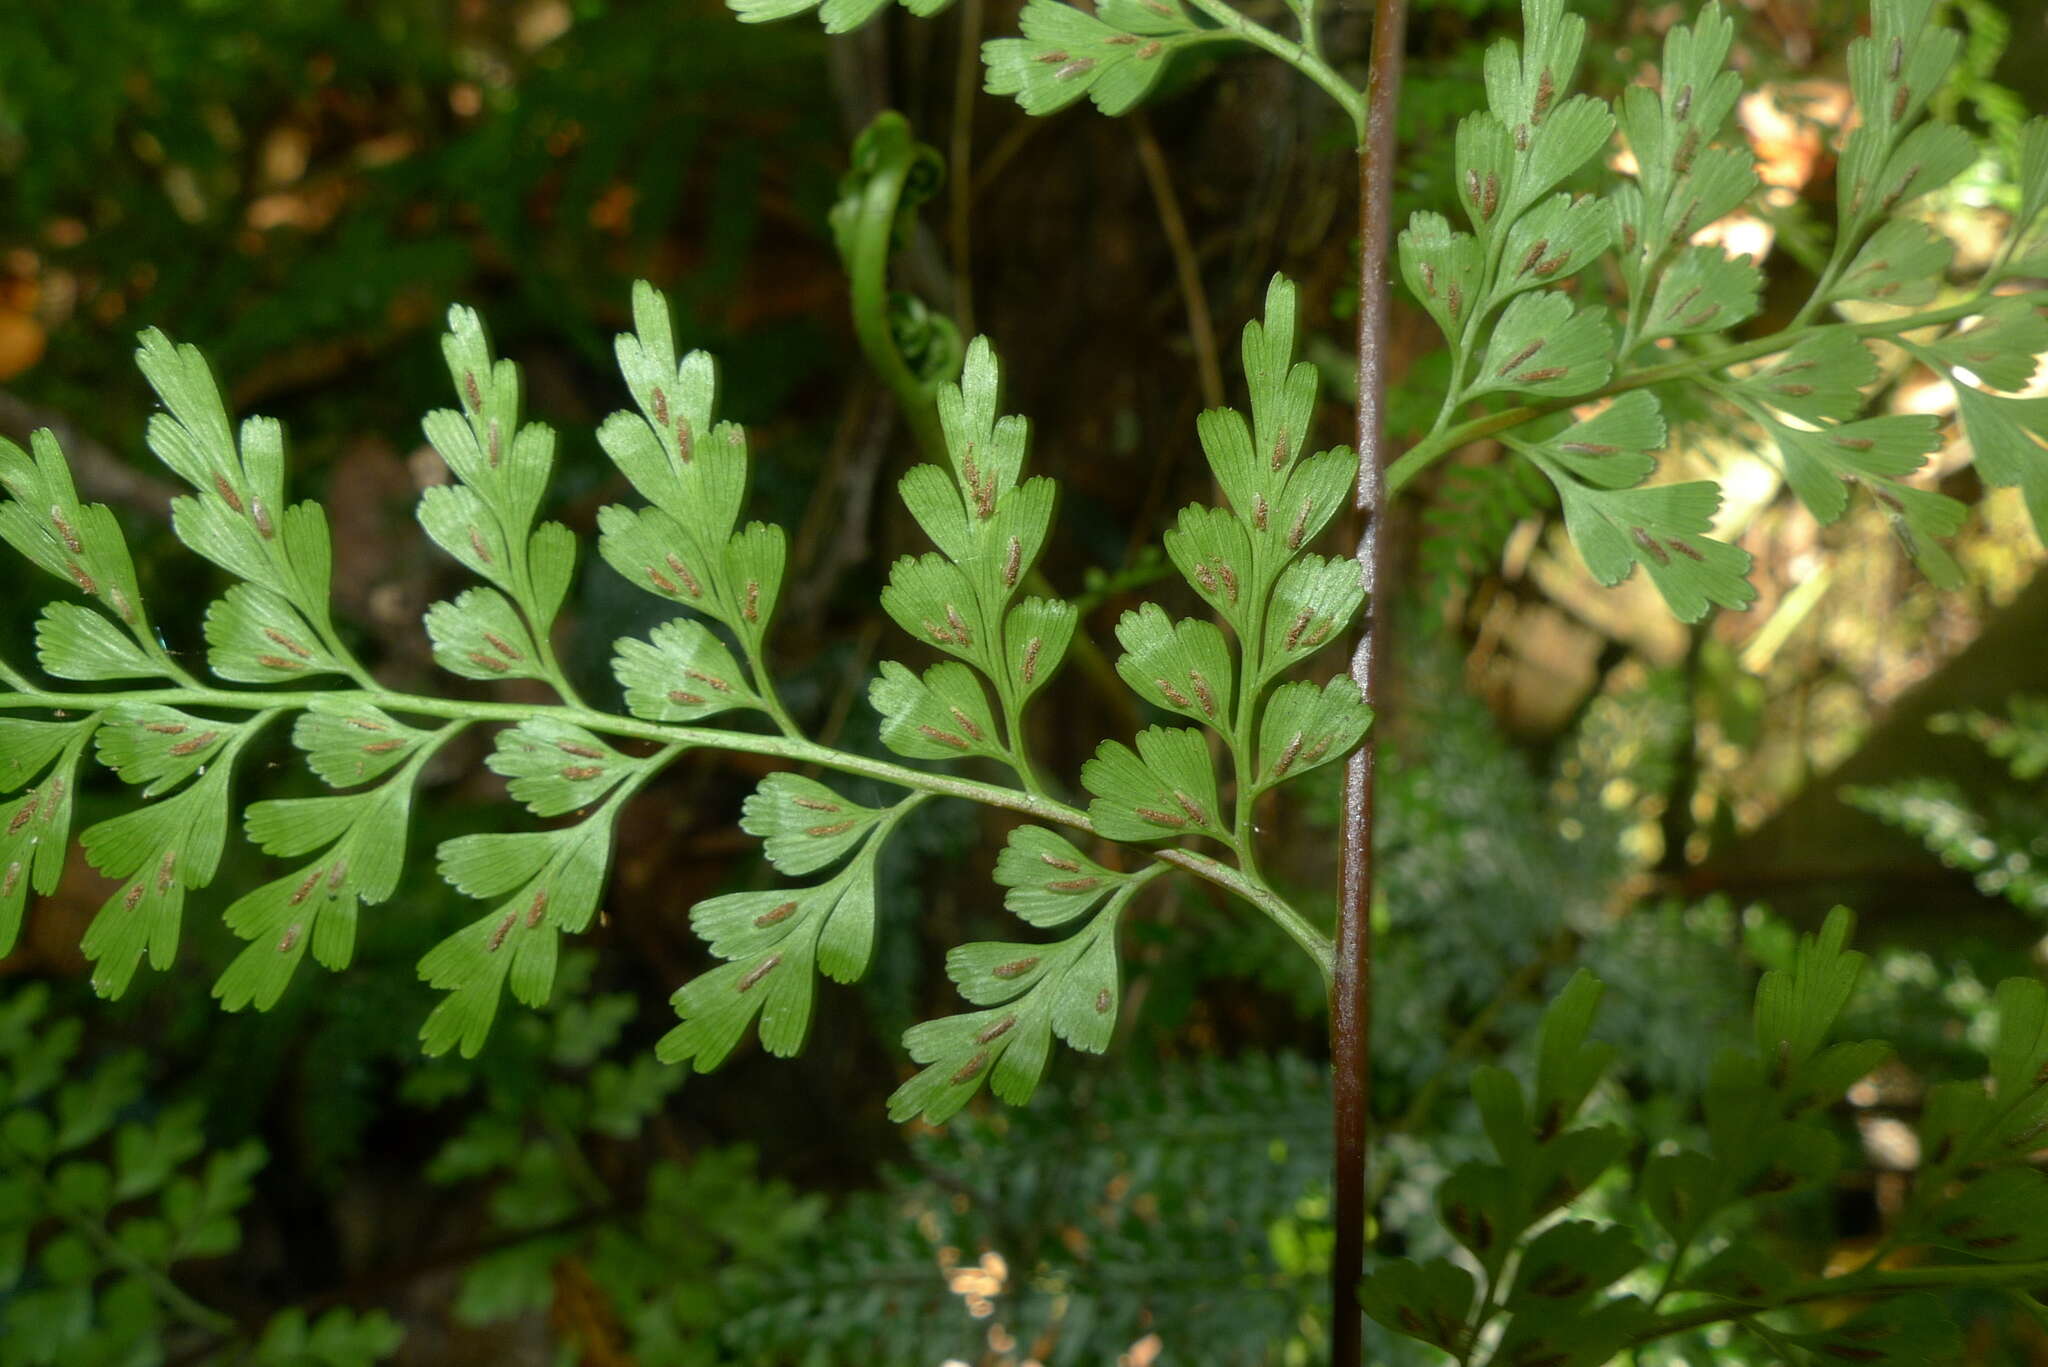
(688, 546)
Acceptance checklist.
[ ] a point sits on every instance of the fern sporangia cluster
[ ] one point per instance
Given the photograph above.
(1573, 301)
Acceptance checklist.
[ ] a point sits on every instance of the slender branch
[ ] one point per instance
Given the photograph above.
(1295, 55)
(1442, 442)
(173, 1297)
(1351, 985)
(795, 749)
(1187, 264)
(1883, 1281)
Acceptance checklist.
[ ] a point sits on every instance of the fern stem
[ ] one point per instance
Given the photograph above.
(1351, 983)
(1433, 448)
(169, 1293)
(1295, 55)
(1881, 1282)
(795, 749)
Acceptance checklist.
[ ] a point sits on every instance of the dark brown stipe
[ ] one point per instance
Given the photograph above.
(758, 972)
(751, 608)
(1173, 695)
(1513, 362)
(1082, 884)
(304, 889)
(1016, 968)
(279, 662)
(1204, 694)
(775, 915)
(1287, 756)
(971, 1068)
(260, 515)
(165, 728)
(287, 642)
(1650, 545)
(966, 722)
(497, 940)
(996, 1030)
(1150, 50)
(660, 406)
(490, 662)
(1012, 563)
(933, 733)
(1159, 818)
(471, 391)
(196, 744)
(832, 828)
(289, 939)
(581, 773)
(687, 699)
(133, 897)
(579, 749)
(502, 646)
(383, 747)
(1294, 631)
(1031, 649)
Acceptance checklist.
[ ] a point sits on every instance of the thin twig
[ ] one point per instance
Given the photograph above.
(1351, 988)
(1187, 264)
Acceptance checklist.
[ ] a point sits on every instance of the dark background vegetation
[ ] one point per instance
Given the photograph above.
(303, 188)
